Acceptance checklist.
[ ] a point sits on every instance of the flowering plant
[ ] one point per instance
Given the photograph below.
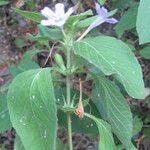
(57, 18)
(38, 104)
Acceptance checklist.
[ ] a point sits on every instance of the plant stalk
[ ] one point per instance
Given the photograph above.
(69, 101)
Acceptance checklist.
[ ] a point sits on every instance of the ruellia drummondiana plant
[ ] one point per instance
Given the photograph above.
(84, 90)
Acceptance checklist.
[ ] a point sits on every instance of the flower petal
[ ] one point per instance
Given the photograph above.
(68, 13)
(47, 12)
(59, 9)
(111, 20)
(49, 22)
(60, 23)
(102, 12)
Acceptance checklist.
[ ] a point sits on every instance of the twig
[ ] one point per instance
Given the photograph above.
(50, 53)
(139, 141)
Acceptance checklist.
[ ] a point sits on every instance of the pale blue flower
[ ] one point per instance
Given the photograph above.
(101, 18)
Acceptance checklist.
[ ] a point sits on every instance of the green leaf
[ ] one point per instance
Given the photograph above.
(73, 20)
(24, 65)
(143, 21)
(18, 144)
(117, 110)
(28, 55)
(137, 125)
(3, 2)
(147, 134)
(106, 138)
(49, 33)
(59, 145)
(32, 109)
(19, 42)
(31, 4)
(112, 56)
(5, 123)
(121, 4)
(102, 2)
(34, 16)
(145, 52)
(127, 21)
(2, 147)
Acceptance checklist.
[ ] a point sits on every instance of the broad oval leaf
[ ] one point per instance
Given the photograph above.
(32, 109)
(106, 139)
(5, 123)
(143, 21)
(116, 108)
(112, 56)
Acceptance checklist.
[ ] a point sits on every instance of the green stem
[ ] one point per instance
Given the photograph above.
(68, 101)
(69, 131)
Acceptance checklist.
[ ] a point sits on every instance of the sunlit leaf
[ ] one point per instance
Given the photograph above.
(32, 109)
(112, 56)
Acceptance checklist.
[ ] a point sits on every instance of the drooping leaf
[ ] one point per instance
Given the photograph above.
(5, 123)
(143, 21)
(117, 110)
(32, 109)
(106, 138)
(34, 16)
(127, 21)
(112, 56)
(145, 52)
